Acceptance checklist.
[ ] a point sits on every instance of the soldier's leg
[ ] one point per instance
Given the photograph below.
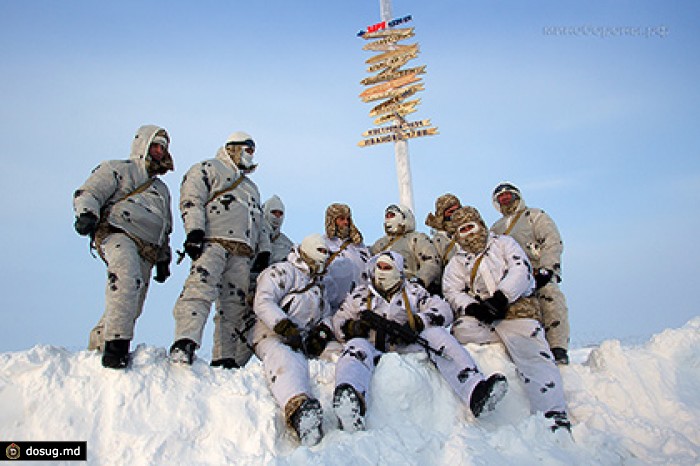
(555, 316)
(201, 288)
(525, 342)
(126, 286)
(234, 318)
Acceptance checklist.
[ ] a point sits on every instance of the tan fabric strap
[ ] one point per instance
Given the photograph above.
(512, 224)
(344, 246)
(475, 268)
(409, 313)
(233, 186)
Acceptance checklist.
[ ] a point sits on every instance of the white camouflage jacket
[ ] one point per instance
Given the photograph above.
(286, 290)
(537, 234)
(146, 215)
(235, 215)
(420, 303)
(504, 267)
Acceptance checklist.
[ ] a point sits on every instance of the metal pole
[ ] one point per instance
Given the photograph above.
(403, 164)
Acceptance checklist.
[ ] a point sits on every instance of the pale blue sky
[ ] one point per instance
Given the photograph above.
(601, 132)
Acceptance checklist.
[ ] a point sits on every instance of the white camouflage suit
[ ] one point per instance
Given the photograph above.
(537, 234)
(287, 290)
(418, 251)
(233, 226)
(280, 244)
(136, 225)
(505, 267)
(360, 355)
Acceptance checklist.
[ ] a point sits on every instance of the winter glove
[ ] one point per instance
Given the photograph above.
(290, 333)
(194, 244)
(499, 303)
(480, 312)
(261, 262)
(542, 277)
(491, 309)
(317, 339)
(162, 271)
(86, 224)
(355, 329)
(435, 320)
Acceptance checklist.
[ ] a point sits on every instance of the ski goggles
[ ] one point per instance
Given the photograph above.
(248, 143)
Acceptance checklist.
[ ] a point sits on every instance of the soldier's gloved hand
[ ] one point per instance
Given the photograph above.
(317, 339)
(162, 271)
(86, 224)
(289, 333)
(262, 260)
(194, 244)
(542, 277)
(355, 329)
(497, 305)
(480, 312)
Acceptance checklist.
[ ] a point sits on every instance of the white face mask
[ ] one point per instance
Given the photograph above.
(388, 278)
(393, 225)
(314, 249)
(246, 160)
(275, 221)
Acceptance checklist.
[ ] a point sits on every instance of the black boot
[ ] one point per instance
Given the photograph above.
(226, 363)
(116, 354)
(561, 356)
(487, 394)
(349, 408)
(182, 351)
(307, 422)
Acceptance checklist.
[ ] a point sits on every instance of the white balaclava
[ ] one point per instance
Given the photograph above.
(314, 252)
(397, 224)
(240, 147)
(274, 203)
(388, 279)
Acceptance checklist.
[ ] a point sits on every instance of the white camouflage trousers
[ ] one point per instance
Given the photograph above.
(220, 277)
(359, 357)
(286, 370)
(555, 315)
(128, 275)
(525, 343)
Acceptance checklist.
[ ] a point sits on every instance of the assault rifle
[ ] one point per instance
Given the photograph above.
(398, 332)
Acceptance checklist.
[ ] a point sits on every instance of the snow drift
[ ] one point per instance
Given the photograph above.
(629, 405)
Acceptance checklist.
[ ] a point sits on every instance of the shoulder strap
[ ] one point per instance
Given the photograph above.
(344, 246)
(475, 268)
(449, 248)
(409, 313)
(392, 241)
(233, 186)
(512, 224)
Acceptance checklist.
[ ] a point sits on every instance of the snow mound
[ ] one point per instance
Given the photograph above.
(628, 404)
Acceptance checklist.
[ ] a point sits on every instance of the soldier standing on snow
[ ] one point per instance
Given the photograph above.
(391, 296)
(125, 209)
(537, 234)
(223, 221)
(443, 230)
(293, 325)
(489, 285)
(347, 264)
(419, 253)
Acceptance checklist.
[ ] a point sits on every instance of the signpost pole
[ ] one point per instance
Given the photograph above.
(403, 165)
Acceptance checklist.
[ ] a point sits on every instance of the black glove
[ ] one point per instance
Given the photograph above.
(355, 329)
(542, 277)
(480, 312)
(262, 260)
(290, 333)
(162, 271)
(194, 244)
(317, 339)
(86, 224)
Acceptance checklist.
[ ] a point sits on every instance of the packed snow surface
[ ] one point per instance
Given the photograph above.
(628, 404)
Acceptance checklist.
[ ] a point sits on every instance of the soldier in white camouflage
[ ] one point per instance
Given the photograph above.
(222, 214)
(537, 234)
(125, 208)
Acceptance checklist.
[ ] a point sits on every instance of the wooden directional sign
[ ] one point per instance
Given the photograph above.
(394, 116)
(398, 136)
(393, 62)
(386, 43)
(383, 108)
(397, 51)
(393, 84)
(382, 25)
(395, 128)
(392, 74)
(403, 33)
(391, 91)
